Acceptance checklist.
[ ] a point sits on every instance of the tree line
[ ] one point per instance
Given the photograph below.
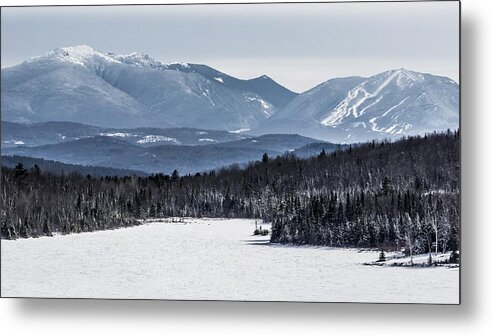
(380, 194)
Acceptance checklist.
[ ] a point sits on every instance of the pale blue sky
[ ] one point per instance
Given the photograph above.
(299, 45)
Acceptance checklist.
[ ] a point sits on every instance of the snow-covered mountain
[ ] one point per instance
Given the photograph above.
(81, 84)
(388, 105)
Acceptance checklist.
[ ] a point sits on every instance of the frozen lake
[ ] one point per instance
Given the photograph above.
(209, 259)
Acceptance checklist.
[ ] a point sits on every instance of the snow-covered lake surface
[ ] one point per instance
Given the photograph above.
(209, 259)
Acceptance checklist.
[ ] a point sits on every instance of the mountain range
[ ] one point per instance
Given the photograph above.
(119, 153)
(83, 85)
(53, 132)
(134, 114)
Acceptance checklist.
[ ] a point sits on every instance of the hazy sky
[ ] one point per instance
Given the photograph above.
(299, 45)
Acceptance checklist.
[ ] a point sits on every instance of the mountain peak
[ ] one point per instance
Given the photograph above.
(93, 59)
(79, 49)
(82, 84)
(264, 77)
(365, 97)
(80, 54)
(391, 104)
(403, 74)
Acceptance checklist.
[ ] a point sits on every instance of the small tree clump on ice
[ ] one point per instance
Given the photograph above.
(260, 230)
(382, 256)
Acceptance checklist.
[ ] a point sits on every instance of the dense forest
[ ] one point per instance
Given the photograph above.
(381, 194)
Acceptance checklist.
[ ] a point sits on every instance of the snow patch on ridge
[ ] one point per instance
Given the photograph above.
(15, 142)
(157, 138)
(267, 108)
(117, 134)
(137, 59)
(143, 60)
(207, 140)
(242, 130)
(183, 64)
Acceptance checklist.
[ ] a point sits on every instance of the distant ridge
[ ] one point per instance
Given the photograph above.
(60, 168)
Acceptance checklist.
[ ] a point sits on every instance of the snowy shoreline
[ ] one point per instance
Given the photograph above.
(393, 258)
(209, 260)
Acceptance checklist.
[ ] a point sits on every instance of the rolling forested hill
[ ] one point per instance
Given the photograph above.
(378, 194)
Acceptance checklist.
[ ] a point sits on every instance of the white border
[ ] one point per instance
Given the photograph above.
(73, 317)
